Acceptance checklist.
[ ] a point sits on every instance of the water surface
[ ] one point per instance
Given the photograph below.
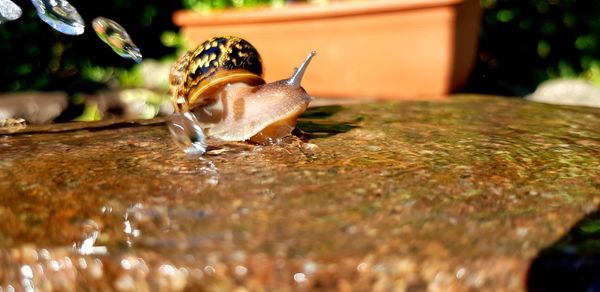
(456, 194)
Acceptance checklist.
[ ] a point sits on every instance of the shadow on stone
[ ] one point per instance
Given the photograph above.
(321, 112)
(572, 263)
(315, 123)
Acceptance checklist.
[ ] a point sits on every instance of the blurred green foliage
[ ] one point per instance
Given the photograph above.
(524, 42)
(208, 5)
(36, 57)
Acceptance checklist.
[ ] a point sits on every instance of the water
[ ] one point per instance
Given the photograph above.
(60, 15)
(187, 133)
(86, 245)
(9, 11)
(458, 193)
(117, 38)
(63, 17)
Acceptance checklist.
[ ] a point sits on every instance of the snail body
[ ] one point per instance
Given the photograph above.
(221, 83)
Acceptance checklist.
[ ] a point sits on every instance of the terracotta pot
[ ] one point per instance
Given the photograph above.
(378, 48)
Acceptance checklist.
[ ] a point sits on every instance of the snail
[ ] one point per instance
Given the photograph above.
(221, 83)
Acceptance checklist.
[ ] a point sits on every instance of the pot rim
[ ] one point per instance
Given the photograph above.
(303, 11)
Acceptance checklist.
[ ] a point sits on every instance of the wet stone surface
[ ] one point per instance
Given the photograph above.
(451, 195)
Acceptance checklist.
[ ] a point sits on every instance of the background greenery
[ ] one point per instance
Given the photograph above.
(36, 57)
(208, 5)
(522, 43)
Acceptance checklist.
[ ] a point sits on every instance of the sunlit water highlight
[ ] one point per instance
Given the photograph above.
(9, 11)
(60, 15)
(117, 38)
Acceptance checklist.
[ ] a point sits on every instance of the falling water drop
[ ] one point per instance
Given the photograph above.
(60, 15)
(117, 38)
(187, 133)
(9, 11)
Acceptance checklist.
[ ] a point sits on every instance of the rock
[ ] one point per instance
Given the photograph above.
(281, 218)
(135, 103)
(568, 92)
(34, 107)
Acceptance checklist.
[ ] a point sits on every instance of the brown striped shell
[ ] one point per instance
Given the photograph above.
(213, 64)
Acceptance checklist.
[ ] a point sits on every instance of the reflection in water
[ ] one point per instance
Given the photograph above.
(60, 15)
(117, 38)
(572, 263)
(9, 11)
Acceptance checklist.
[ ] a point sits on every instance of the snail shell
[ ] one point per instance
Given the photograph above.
(221, 83)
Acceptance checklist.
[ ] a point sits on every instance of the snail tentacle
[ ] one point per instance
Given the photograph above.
(296, 78)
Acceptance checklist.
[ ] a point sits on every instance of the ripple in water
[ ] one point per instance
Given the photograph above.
(60, 15)
(208, 169)
(150, 224)
(204, 171)
(9, 11)
(117, 38)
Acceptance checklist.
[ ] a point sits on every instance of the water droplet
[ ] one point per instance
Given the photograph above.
(460, 273)
(9, 11)
(131, 214)
(209, 270)
(187, 133)
(89, 233)
(362, 267)
(240, 271)
(60, 15)
(27, 271)
(54, 265)
(125, 264)
(300, 278)
(117, 38)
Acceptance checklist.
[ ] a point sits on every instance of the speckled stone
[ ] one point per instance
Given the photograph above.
(446, 196)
